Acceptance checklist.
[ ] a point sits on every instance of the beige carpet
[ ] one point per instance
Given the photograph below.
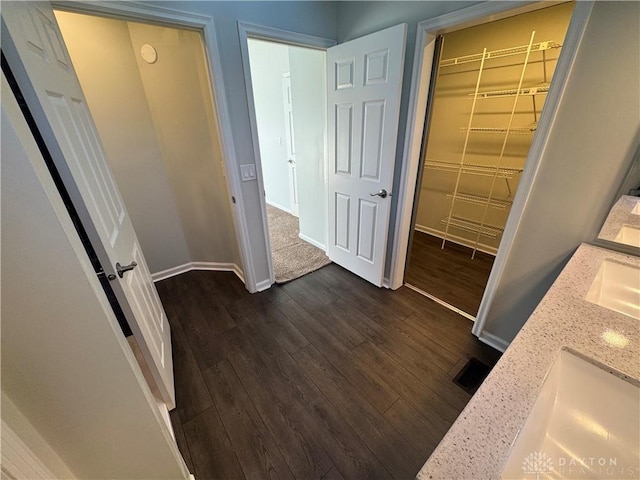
(292, 257)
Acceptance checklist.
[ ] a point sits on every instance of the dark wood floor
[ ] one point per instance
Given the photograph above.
(325, 377)
(448, 274)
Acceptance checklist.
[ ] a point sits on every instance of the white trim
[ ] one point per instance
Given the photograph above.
(441, 302)
(278, 206)
(481, 247)
(283, 36)
(423, 60)
(310, 240)
(171, 272)
(18, 460)
(493, 341)
(137, 11)
(187, 267)
(246, 31)
(263, 285)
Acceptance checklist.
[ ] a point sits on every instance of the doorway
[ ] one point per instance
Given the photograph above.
(289, 100)
(490, 86)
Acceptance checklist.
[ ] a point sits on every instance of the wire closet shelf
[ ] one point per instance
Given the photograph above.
(480, 226)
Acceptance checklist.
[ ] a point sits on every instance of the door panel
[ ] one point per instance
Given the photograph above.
(373, 124)
(364, 79)
(33, 45)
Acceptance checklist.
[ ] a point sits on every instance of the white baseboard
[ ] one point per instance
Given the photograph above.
(187, 267)
(310, 240)
(278, 206)
(171, 272)
(493, 341)
(456, 239)
(263, 285)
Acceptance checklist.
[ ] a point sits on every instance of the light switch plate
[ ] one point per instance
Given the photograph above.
(248, 172)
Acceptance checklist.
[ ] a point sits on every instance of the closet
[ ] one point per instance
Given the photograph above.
(491, 85)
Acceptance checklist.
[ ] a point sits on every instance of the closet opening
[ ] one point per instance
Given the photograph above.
(287, 84)
(488, 88)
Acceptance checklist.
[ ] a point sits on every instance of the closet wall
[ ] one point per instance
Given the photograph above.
(160, 136)
(459, 180)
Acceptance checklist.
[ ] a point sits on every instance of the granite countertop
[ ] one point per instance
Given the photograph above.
(477, 445)
(620, 215)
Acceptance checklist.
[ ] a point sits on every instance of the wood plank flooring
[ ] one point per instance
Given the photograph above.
(448, 274)
(325, 377)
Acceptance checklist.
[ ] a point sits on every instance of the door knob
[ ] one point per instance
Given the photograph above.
(382, 194)
(123, 269)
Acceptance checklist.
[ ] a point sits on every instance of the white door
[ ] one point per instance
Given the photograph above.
(291, 144)
(36, 53)
(364, 82)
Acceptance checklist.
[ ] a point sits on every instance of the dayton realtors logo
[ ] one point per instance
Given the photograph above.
(543, 466)
(537, 463)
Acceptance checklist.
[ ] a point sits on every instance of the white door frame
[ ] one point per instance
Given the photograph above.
(422, 66)
(250, 30)
(137, 11)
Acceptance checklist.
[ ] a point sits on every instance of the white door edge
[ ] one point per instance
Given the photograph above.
(423, 60)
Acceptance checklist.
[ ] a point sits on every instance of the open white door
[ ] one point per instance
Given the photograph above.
(364, 83)
(36, 53)
(291, 144)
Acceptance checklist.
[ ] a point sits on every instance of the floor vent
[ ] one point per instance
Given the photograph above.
(472, 375)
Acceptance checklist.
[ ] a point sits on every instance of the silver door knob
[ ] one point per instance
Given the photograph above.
(123, 269)
(382, 194)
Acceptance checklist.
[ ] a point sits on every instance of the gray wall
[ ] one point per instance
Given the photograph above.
(356, 19)
(308, 94)
(590, 149)
(269, 61)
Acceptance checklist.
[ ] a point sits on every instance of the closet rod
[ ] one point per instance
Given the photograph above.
(505, 52)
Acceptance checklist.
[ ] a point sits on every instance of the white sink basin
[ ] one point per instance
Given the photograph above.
(629, 235)
(617, 287)
(585, 423)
